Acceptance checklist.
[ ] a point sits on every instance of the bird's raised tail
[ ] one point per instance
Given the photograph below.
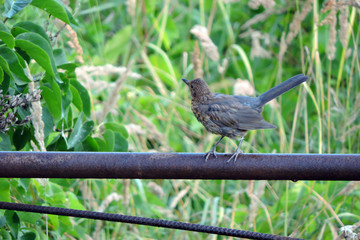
(282, 88)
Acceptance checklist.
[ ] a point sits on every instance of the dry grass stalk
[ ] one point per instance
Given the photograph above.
(195, 58)
(344, 25)
(349, 188)
(256, 49)
(244, 88)
(36, 115)
(152, 133)
(126, 190)
(109, 199)
(209, 47)
(255, 193)
(331, 20)
(131, 7)
(178, 197)
(296, 22)
(263, 16)
(255, 4)
(156, 189)
(112, 99)
(86, 74)
(74, 43)
(223, 66)
(354, 3)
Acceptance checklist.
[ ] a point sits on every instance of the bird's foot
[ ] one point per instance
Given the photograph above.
(235, 155)
(207, 155)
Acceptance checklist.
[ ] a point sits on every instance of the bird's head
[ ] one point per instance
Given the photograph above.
(198, 87)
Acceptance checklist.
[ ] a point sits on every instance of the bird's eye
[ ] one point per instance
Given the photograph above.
(191, 86)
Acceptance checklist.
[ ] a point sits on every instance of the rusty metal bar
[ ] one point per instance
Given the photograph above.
(179, 166)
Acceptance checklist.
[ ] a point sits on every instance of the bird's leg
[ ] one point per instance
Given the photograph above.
(213, 150)
(237, 152)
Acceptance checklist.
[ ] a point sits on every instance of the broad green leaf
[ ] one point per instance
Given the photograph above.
(74, 202)
(4, 190)
(29, 217)
(76, 100)
(55, 8)
(5, 142)
(22, 27)
(90, 144)
(12, 7)
(68, 66)
(60, 56)
(109, 138)
(1, 75)
(38, 49)
(6, 36)
(13, 222)
(21, 136)
(116, 127)
(80, 132)
(85, 98)
(5, 66)
(120, 145)
(14, 65)
(117, 44)
(28, 235)
(4, 235)
(53, 104)
(54, 219)
(103, 147)
(2, 221)
(48, 122)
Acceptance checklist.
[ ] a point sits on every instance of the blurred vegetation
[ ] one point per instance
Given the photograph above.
(122, 62)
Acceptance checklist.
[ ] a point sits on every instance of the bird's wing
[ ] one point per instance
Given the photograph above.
(230, 111)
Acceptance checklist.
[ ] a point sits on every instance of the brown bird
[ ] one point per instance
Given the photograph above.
(233, 116)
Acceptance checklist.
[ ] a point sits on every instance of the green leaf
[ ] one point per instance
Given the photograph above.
(117, 44)
(5, 143)
(14, 65)
(52, 102)
(23, 27)
(29, 217)
(109, 138)
(121, 145)
(2, 222)
(116, 127)
(4, 235)
(74, 202)
(1, 75)
(13, 7)
(80, 132)
(6, 36)
(85, 98)
(60, 56)
(48, 122)
(4, 190)
(13, 222)
(55, 8)
(90, 144)
(5, 66)
(76, 100)
(21, 136)
(38, 49)
(28, 236)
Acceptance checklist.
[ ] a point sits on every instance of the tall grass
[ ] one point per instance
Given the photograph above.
(321, 116)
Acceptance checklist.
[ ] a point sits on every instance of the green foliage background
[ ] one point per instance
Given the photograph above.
(153, 114)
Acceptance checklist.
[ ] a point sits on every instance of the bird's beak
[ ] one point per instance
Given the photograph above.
(186, 81)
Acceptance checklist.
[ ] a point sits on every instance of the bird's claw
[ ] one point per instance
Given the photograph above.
(234, 156)
(209, 153)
